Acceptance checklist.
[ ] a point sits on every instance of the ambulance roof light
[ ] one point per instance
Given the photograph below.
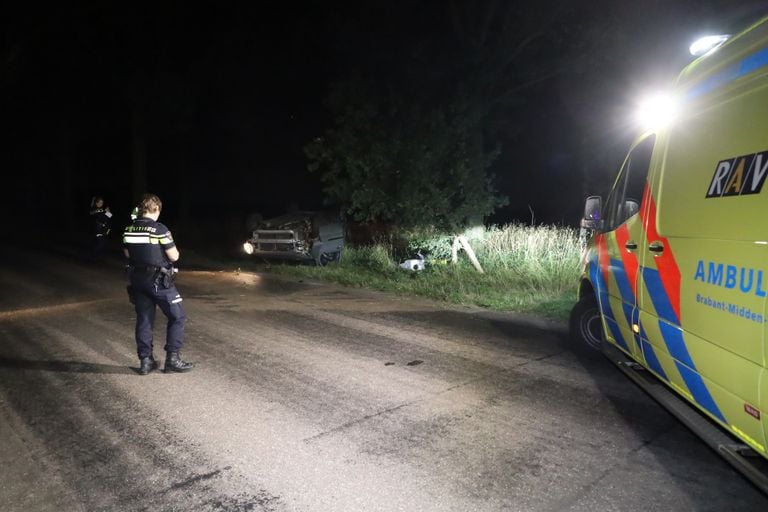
(707, 44)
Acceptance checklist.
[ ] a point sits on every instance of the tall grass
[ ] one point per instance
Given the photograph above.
(529, 269)
(546, 256)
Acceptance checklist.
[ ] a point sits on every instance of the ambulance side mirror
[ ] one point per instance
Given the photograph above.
(592, 208)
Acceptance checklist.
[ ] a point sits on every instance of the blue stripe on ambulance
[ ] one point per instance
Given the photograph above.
(616, 332)
(673, 338)
(659, 295)
(650, 354)
(644, 340)
(749, 64)
(594, 270)
(699, 390)
(605, 305)
(629, 313)
(625, 289)
(641, 335)
(653, 360)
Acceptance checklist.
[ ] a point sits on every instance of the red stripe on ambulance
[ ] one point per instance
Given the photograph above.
(628, 257)
(669, 272)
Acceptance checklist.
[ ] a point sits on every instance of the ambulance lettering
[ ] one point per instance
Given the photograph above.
(745, 280)
(742, 175)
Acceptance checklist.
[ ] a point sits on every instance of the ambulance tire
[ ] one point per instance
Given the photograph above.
(586, 326)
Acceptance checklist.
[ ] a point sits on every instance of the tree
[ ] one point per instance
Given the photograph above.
(416, 133)
(389, 158)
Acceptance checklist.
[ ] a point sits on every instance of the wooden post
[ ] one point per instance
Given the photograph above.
(461, 240)
(471, 254)
(455, 251)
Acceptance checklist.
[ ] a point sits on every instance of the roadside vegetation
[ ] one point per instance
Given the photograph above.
(527, 269)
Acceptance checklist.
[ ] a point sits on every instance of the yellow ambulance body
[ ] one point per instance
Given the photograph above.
(676, 275)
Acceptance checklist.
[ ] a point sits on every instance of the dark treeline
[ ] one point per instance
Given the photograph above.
(220, 109)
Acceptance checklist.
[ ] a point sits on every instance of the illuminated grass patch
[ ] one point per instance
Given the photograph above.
(527, 269)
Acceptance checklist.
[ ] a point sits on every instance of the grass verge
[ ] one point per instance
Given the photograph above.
(527, 269)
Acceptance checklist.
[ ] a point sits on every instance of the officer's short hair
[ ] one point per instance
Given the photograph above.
(149, 203)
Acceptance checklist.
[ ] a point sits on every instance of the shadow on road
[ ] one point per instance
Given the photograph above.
(65, 366)
(658, 445)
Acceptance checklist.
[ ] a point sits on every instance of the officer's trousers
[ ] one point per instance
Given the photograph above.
(146, 297)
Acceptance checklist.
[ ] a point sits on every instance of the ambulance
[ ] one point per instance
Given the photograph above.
(676, 271)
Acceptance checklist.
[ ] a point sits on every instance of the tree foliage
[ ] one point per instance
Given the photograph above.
(390, 158)
(415, 134)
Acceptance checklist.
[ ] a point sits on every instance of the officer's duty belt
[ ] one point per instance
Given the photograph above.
(148, 269)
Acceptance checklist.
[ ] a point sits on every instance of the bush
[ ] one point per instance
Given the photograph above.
(376, 258)
(430, 242)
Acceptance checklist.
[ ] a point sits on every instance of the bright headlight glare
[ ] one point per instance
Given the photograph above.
(248, 247)
(657, 111)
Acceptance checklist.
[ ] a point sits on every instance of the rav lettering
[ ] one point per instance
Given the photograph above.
(758, 173)
(721, 173)
(741, 175)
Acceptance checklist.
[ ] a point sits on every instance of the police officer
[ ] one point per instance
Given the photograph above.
(150, 250)
(101, 221)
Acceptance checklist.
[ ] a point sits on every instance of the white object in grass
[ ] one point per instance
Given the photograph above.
(414, 263)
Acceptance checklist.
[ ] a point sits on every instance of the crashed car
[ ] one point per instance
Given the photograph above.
(315, 236)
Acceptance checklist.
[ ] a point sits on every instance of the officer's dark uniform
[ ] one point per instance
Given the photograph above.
(101, 220)
(146, 242)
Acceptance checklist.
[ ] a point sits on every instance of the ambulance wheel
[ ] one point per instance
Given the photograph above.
(586, 326)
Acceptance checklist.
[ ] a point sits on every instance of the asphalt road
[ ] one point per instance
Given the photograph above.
(311, 397)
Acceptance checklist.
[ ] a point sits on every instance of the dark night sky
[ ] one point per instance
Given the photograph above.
(225, 97)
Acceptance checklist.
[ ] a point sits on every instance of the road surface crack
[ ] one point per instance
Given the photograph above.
(357, 421)
(195, 479)
(348, 424)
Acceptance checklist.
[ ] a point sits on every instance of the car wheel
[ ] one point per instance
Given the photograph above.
(327, 257)
(586, 325)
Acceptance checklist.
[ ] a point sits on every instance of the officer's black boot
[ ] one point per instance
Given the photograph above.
(173, 363)
(147, 365)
